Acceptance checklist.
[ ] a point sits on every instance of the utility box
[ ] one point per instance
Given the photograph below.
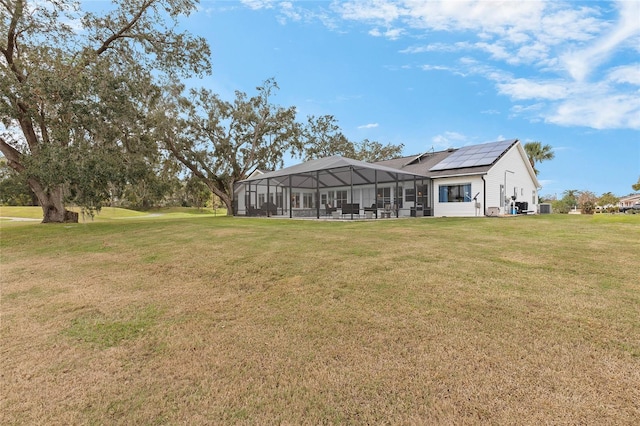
(493, 211)
(544, 208)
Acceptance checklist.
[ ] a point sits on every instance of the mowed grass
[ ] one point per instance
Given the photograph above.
(16, 216)
(528, 320)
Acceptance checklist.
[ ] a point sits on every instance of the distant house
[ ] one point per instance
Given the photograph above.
(487, 179)
(629, 200)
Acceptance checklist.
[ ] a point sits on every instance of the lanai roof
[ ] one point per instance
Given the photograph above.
(331, 172)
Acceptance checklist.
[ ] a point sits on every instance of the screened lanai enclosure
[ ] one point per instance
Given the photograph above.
(334, 187)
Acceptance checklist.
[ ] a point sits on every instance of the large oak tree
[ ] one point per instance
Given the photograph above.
(76, 88)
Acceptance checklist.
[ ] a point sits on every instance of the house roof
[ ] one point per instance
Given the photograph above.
(468, 160)
(333, 171)
(629, 198)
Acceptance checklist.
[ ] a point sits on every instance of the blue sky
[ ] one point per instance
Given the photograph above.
(452, 73)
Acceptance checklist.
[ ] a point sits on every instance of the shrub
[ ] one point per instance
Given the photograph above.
(588, 207)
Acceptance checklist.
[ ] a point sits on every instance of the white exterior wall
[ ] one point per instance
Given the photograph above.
(460, 208)
(516, 169)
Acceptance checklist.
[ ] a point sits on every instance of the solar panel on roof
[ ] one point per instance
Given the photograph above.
(472, 156)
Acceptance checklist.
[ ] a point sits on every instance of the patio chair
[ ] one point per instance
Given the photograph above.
(387, 211)
(328, 209)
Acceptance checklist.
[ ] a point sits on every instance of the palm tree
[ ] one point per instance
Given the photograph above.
(538, 153)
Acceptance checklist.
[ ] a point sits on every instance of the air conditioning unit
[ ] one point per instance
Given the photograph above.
(544, 208)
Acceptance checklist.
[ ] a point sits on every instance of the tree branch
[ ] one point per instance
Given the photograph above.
(12, 155)
(121, 33)
(11, 40)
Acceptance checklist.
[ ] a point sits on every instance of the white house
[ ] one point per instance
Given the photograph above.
(487, 179)
(629, 200)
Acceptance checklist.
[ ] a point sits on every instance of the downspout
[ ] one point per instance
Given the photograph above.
(484, 195)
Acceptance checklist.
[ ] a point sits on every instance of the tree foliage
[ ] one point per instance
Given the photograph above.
(608, 200)
(322, 137)
(14, 190)
(74, 99)
(538, 153)
(222, 142)
(568, 201)
(636, 186)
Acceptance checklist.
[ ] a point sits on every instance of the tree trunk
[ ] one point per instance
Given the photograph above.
(52, 204)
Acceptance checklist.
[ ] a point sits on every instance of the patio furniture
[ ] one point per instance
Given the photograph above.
(328, 210)
(351, 209)
(269, 209)
(386, 213)
(370, 211)
(252, 211)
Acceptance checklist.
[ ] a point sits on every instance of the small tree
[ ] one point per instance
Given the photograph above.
(608, 201)
(568, 201)
(197, 193)
(636, 186)
(587, 200)
(538, 153)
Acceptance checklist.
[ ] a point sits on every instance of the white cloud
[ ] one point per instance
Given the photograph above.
(580, 63)
(520, 88)
(287, 10)
(372, 10)
(447, 139)
(392, 33)
(368, 126)
(616, 111)
(435, 68)
(258, 4)
(625, 74)
(485, 16)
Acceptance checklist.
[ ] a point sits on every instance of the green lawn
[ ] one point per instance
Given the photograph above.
(196, 319)
(108, 213)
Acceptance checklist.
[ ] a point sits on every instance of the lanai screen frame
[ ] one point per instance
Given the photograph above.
(327, 173)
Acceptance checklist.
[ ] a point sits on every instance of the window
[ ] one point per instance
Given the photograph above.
(295, 200)
(341, 198)
(398, 198)
(384, 197)
(279, 200)
(307, 200)
(332, 198)
(410, 194)
(260, 200)
(455, 193)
